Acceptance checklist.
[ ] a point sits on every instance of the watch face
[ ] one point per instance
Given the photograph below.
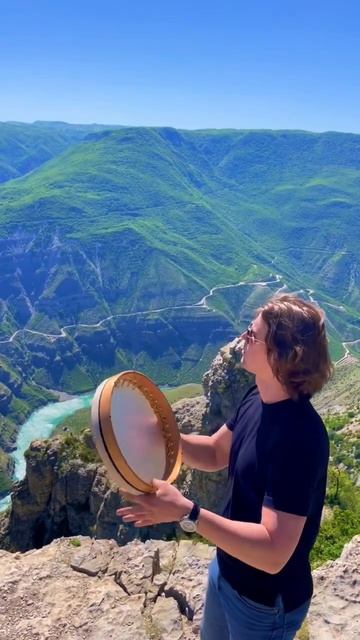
(188, 525)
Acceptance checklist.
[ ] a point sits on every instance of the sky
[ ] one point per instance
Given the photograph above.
(274, 64)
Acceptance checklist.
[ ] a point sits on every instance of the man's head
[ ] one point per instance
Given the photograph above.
(287, 340)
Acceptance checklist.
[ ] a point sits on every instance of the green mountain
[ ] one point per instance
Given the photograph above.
(288, 196)
(149, 248)
(24, 147)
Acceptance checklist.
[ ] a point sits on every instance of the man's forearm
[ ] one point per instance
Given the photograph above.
(198, 452)
(247, 541)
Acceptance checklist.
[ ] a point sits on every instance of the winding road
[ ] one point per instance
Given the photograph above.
(202, 303)
(347, 356)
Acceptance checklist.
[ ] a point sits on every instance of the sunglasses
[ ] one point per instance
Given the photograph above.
(250, 336)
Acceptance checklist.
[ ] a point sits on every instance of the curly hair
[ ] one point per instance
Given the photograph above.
(297, 346)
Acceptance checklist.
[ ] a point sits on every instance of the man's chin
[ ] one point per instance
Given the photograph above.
(244, 365)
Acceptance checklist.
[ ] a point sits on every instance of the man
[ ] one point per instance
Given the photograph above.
(276, 449)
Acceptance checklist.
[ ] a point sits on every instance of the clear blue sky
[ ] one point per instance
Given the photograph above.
(182, 63)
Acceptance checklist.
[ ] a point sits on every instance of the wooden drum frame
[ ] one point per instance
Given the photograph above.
(104, 428)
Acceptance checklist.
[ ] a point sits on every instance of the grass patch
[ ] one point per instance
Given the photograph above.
(75, 542)
(74, 424)
(303, 633)
(183, 391)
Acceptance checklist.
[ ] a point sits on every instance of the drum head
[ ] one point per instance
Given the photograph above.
(135, 432)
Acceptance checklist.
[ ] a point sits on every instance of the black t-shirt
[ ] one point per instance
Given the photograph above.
(278, 458)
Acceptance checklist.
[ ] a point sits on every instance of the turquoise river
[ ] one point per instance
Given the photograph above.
(41, 424)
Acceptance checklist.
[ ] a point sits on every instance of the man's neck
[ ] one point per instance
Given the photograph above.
(271, 390)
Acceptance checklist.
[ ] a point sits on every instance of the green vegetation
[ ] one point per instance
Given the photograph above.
(183, 391)
(336, 530)
(72, 447)
(76, 378)
(342, 505)
(24, 147)
(303, 633)
(337, 421)
(198, 190)
(75, 423)
(75, 542)
(5, 466)
(336, 348)
(76, 448)
(17, 401)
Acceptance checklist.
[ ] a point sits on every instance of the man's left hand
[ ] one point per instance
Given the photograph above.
(167, 504)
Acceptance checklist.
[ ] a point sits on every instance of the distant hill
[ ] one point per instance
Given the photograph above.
(24, 147)
(291, 197)
(149, 248)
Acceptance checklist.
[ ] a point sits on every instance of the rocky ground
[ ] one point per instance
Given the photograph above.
(85, 589)
(335, 607)
(99, 590)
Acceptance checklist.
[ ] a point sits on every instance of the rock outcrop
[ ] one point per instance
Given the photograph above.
(224, 384)
(85, 589)
(82, 589)
(62, 496)
(335, 606)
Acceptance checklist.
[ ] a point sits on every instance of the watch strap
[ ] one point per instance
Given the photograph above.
(194, 513)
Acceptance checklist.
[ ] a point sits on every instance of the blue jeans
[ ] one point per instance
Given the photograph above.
(230, 616)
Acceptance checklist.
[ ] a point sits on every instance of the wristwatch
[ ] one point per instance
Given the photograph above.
(189, 522)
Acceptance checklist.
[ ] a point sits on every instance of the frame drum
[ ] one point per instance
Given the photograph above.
(135, 432)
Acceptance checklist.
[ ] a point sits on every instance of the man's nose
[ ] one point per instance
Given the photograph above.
(240, 342)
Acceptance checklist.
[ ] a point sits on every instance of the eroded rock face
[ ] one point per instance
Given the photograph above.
(50, 501)
(62, 497)
(189, 414)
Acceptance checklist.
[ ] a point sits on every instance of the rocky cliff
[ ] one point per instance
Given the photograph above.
(66, 490)
(84, 589)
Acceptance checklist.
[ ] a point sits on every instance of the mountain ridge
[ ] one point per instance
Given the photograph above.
(147, 221)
